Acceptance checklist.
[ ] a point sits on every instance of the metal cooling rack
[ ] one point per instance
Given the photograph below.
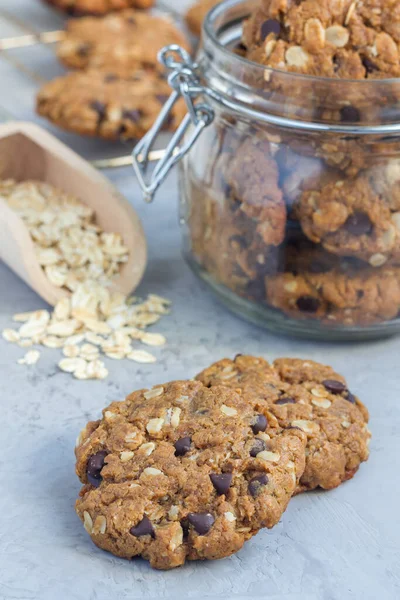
(31, 38)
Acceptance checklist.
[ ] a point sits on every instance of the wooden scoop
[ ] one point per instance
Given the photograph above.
(29, 152)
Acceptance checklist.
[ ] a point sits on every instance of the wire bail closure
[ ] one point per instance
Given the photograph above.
(184, 83)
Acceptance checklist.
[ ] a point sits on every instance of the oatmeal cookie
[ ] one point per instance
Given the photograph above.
(97, 7)
(197, 13)
(349, 296)
(103, 104)
(253, 179)
(127, 40)
(309, 396)
(348, 39)
(182, 472)
(349, 218)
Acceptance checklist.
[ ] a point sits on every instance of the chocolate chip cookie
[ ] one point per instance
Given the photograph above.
(348, 39)
(97, 7)
(103, 104)
(183, 472)
(348, 217)
(127, 40)
(197, 13)
(304, 395)
(350, 297)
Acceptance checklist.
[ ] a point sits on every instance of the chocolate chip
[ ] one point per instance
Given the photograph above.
(351, 398)
(221, 483)
(110, 77)
(260, 424)
(182, 446)
(202, 522)
(308, 304)
(162, 98)
(270, 26)
(131, 115)
(370, 66)
(94, 467)
(358, 224)
(258, 446)
(238, 356)
(319, 266)
(239, 241)
(256, 484)
(143, 528)
(286, 400)
(350, 114)
(333, 386)
(100, 108)
(83, 50)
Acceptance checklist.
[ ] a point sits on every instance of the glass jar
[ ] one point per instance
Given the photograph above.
(290, 193)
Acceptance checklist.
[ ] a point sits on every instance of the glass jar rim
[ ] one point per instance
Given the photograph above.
(210, 33)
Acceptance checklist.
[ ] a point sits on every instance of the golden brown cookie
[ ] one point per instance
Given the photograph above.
(306, 395)
(348, 39)
(197, 13)
(102, 104)
(127, 40)
(182, 472)
(97, 7)
(349, 218)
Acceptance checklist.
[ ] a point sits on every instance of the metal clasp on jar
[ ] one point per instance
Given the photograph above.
(184, 83)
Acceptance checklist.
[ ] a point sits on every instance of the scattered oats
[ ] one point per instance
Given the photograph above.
(269, 456)
(100, 526)
(57, 276)
(11, 335)
(153, 339)
(228, 411)
(152, 471)
(154, 393)
(176, 539)
(63, 328)
(71, 365)
(74, 340)
(229, 516)
(88, 352)
(154, 426)
(130, 437)
(80, 258)
(346, 424)
(62, 309)
(71, 351)
(25, 343)
(291, 286)
(94, 339)
(350, 13)
(263, 436)
(321, 402)
(306, 426)
(141, 356)
(126, 456)
(87, 522)
(51, 341)
(296, 57)
(148, 448)
(30, 358)
(194, 456)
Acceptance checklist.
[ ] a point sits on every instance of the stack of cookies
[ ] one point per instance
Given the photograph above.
(117, 87)
(309, 223)
(191, 470)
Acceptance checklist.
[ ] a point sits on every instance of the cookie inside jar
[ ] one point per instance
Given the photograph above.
(292, 195)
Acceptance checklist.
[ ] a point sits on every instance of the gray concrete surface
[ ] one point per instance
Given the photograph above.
(329, 546)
